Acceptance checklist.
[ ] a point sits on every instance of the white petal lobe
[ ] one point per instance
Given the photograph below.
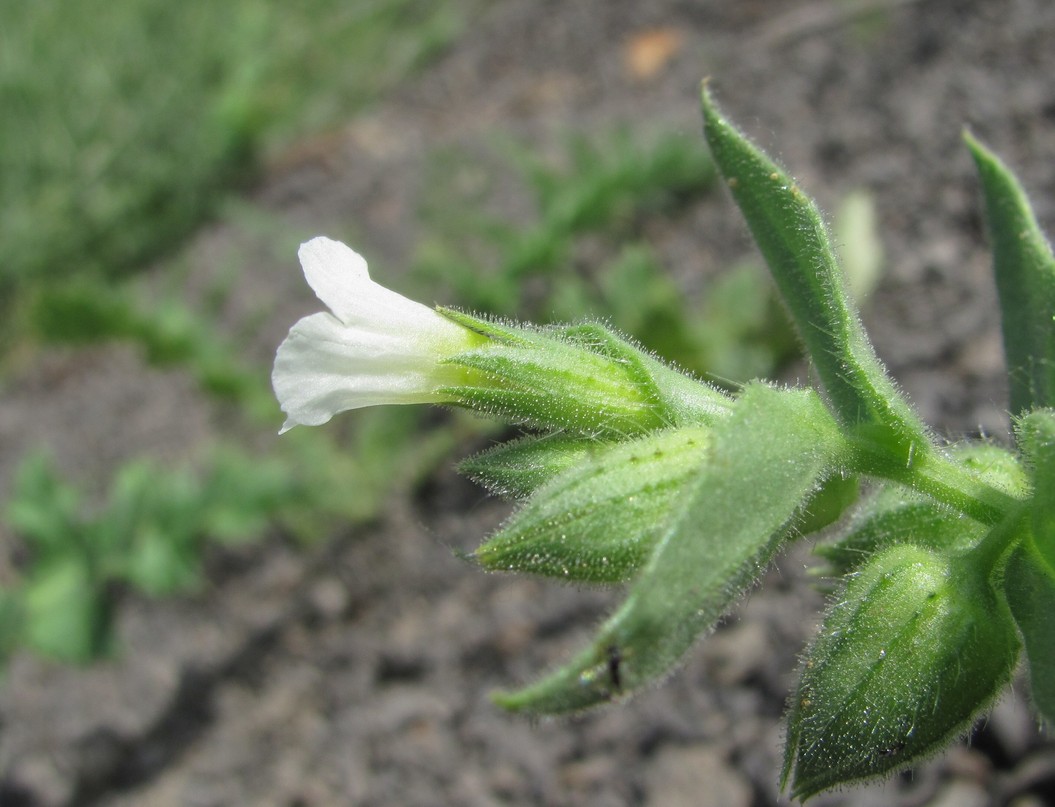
(377, 347)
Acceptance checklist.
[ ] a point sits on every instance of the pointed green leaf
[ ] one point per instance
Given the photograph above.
(598, 521)
(795, 243)
(766, 460)
(1030, 590)
(1025, 281)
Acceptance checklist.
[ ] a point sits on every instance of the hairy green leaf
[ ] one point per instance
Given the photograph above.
(795, 243)
(1025, 281)
(765, 460)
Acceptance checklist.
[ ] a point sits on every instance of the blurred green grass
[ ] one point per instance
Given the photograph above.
(126, 126)
(123, 124)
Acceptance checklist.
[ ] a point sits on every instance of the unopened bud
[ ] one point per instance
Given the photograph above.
(598, 521)
(915, 648)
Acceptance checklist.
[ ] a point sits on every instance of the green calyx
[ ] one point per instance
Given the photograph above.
(916, 646)
(581, 379)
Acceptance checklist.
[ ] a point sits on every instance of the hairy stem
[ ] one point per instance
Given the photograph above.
(938, 477)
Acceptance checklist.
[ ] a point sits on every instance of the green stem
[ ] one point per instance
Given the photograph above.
(991, 548)
(938, 477)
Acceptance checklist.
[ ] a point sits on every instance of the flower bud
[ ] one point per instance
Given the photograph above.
(913, 650)
(597, 521)
(516, 469)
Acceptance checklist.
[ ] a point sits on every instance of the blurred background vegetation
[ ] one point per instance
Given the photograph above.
(128, 126)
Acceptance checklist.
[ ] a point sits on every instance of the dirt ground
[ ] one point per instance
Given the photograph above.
(358, 674)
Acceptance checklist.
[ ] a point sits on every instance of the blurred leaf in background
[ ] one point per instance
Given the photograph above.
(124, 123)
(151, 534)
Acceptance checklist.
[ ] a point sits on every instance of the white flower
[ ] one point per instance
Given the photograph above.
(373, 347)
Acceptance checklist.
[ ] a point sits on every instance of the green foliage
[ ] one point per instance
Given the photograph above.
(65, 612)
(170, 334)
(11, 619)
(151, 535)
(686, 494)
(609, 183)
(123, 125)
(1024, 268)
(857, 237)
(764, 460)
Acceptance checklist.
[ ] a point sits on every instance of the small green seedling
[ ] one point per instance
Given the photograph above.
(633, 472)
(151, 537)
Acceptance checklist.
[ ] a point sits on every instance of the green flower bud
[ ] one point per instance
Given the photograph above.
(598, 521)
(913, 650)
(514, 470)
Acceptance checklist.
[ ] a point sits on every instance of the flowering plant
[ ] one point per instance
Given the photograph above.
(634, 472)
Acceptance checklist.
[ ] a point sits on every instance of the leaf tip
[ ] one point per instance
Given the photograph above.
(975, 146)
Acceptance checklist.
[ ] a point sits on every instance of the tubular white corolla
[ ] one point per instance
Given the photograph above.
(374, 346)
